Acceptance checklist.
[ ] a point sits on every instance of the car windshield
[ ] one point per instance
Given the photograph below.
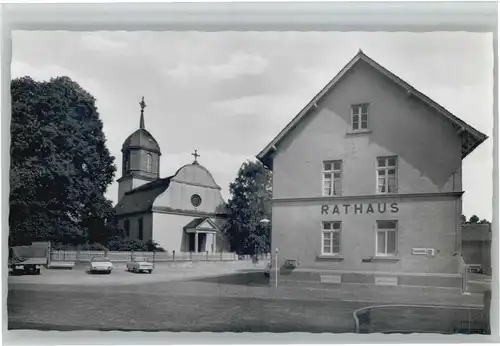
(100, 259)
(141, 259)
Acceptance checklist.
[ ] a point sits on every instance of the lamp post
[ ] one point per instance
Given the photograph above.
(266, 222)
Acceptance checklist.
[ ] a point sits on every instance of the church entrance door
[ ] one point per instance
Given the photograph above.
(202, 242)
(197, 245)
(191, 242)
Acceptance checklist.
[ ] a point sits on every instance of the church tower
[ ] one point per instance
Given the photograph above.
(141, 158)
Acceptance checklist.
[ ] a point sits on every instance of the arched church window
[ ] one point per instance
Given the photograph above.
(126, 163)
(149, 163)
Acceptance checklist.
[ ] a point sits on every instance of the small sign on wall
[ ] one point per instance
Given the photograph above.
(386, 280)
(419, 251)
(422, 251)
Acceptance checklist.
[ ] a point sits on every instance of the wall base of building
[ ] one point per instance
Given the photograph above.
(336, 277)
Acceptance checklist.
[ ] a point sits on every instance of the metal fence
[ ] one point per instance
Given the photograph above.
(123, 256)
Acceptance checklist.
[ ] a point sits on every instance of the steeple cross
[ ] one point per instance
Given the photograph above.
(196, 155)
(142, 104)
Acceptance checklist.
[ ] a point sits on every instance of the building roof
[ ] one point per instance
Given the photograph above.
(195, 174)
(141, 199)
(471, 138)
(195, 223)
(141, 139)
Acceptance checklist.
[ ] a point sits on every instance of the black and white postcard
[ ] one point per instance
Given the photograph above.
(251, 181)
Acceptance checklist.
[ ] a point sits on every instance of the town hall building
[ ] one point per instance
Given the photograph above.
(367, 184)
(184, 212)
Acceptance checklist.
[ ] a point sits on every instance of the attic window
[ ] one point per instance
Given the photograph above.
(359, 117)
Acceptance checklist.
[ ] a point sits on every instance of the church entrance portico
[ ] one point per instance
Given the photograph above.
(201, 235)
(201, 241)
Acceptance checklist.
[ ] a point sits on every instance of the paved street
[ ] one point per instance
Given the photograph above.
(136, 311)
(241, 301)
(163, 271)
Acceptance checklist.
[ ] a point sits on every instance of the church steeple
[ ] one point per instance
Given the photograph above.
(143, 105)
(141, 158)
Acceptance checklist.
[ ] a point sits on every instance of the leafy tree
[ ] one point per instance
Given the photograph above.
(250, 203)
(60, 165)
(474, 219)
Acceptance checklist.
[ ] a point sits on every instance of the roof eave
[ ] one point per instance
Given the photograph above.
(266, 158)
(478, 140)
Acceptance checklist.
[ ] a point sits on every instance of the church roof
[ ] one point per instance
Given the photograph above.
(141, 199)
(195, 174)
(471, 138)
(141, 139)
(195, 222)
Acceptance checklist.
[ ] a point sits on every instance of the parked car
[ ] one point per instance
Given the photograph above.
(140, 264)
(101, 265)
(28, 259)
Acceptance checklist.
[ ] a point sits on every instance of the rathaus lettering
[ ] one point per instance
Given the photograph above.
(360, 208)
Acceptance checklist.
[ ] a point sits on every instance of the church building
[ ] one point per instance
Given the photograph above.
(367, 184)
(184, 212)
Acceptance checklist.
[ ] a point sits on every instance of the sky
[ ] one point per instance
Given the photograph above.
(228, 94)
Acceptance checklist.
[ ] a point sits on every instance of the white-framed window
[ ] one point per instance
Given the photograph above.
(149, 163)
(332, 178)
(386, 242)
(359, 118)
(387, 174)
(330, 235)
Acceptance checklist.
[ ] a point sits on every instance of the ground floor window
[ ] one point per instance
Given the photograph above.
(141, 232)
(331, 237)
(386, 240)
(126, 225)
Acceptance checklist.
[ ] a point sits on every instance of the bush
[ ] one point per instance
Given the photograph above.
(134, 245)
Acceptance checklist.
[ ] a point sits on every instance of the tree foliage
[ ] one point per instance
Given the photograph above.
(250, 203)
(474, 219)
(60, 165)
